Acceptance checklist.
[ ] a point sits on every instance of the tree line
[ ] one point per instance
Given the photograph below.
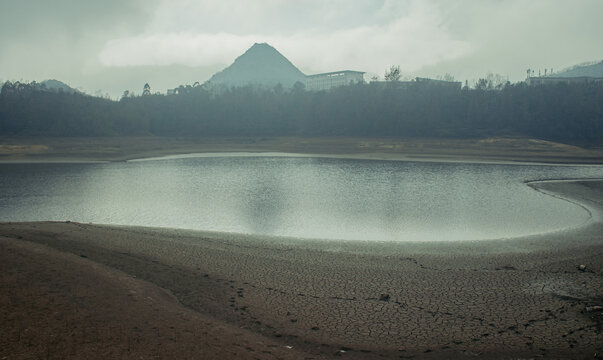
(569, 113)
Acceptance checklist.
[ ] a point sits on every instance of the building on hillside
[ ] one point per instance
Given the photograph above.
(418, 83)
(456, 85)
(334, 79)
(398, 85)
(549, 80)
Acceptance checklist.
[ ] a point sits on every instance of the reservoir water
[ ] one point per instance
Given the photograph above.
(297, 196)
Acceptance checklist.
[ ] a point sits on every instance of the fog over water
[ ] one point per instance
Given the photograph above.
(297, 196)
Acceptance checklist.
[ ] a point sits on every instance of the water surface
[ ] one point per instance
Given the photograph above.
(297, 196)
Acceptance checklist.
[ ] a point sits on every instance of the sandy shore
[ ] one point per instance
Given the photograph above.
(92, 291)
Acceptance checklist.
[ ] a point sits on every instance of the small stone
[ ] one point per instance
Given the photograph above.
(594, 308)
(384, 297)
(582, 267)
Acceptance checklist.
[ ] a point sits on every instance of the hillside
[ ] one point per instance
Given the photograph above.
(260, 65)
(566, 114)
(592, 70)
(56, 85)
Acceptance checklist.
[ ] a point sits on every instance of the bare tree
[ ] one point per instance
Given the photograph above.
(448, 77)
(393, 74)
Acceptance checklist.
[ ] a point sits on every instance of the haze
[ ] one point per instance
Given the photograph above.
(110, 46)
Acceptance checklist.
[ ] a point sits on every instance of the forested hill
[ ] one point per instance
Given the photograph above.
(55, 85)
(569, 113)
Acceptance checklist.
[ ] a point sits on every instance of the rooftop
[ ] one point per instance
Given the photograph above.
(337, 72)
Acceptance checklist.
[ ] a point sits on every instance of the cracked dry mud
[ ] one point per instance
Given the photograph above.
(511, 298)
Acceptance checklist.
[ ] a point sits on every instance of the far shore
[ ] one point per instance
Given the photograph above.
(515, 150)
(73, 290)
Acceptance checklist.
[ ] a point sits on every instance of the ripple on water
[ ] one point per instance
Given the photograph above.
(298, 196)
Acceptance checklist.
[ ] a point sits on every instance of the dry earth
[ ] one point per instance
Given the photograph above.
(71, 290)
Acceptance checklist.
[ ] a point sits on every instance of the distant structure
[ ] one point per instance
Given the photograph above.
(419, 82)
(330, 80)
(591, 72)
(456, 85)
(549, 80)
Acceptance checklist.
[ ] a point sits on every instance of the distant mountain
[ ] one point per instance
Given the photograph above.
(260, 65)
(56, 85)
(591, 69)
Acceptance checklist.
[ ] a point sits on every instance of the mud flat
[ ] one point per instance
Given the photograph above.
(81, 290)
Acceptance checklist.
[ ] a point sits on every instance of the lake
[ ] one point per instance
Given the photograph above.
(297, 196)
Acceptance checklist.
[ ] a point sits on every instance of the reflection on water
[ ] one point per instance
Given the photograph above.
(262, 200)
(301, 197)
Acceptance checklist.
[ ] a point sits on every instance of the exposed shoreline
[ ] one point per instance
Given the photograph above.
(513, 150)
(438, 158)
(522, 297)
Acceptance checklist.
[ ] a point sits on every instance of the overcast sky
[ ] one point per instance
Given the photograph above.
(112, 45)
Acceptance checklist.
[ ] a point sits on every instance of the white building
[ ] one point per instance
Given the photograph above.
(331, 80)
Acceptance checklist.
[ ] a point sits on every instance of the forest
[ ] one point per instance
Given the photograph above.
(568, 113)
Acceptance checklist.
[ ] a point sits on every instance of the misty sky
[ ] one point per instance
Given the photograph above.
(114, 45)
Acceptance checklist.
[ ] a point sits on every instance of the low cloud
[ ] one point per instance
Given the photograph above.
(412, 40)
(174, 49)
(95, 44)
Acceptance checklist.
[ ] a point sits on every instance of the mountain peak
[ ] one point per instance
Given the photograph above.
(262, 45)
(261, 64)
